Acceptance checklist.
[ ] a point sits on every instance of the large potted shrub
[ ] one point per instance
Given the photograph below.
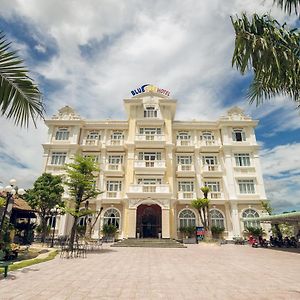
(254, 231)
(109, 232)
(189, 234)
(217, 231)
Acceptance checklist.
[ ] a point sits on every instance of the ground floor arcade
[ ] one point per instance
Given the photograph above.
(149, 218)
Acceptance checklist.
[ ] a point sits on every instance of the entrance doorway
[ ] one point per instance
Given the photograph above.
(148, 220)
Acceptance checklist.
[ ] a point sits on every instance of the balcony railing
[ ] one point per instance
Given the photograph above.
(89, 142)
(184, 143)
(209, 143)
(149, 188)
(211, 168)
(216, 195)
(114, 167)
(115, 142)
(187, 195)
(185, 168)
(150, 137)
(112, 194)
(150, 164)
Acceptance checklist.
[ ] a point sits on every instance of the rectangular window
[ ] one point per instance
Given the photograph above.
(238, 135)
(185, 186)
(93, 135)
(184, 159)
(114, 186)
(242, 159)
(62, 134)
(246, 186)
(149, 156)
(150, 131)
(58, 158)
(115, 159)
(150, 112)
(149, 181)
(118, 135)
(214, 186)
(93, 157)
(209, 160)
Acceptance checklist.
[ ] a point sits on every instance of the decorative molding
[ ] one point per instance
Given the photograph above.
(133, 204)
(66, 113)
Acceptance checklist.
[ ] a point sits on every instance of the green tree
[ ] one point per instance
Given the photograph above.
(46, 194)
(271, 51)
(202, 205)
(266, 205)
(20, 98)
(81, 187)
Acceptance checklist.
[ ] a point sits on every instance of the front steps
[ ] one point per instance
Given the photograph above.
(149, 243)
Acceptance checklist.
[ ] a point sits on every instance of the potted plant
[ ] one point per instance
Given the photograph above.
(255, 231)
(189, 234)
(217, 231)
(109, 232)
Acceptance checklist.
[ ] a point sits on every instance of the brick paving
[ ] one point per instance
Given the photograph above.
(197, 272)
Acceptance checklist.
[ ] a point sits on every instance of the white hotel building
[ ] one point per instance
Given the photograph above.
(152, 167)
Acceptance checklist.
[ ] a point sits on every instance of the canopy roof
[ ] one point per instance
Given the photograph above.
(21, 204)
(280, 218)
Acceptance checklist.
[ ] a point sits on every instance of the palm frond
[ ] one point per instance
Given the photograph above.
(289, 6)
(20, 98)
(272, 53)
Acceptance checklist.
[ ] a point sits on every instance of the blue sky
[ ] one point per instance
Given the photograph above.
(91, 56)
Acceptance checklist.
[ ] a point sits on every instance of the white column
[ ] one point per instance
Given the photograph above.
(131, 223)
(96, 231)
(228, 178)
(235, 219)
(228, 221)
(165, 223)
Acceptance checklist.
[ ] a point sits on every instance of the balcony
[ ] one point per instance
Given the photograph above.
(216, 195)
(90, 145)
(114, 170)
(150, 166)
(212, 171)
(185, 145)
(244, 171)
(116, 145)
(185, 170)
(186, 197)
(150, 140)
(111, 197)
(149, 190)
(209, 145)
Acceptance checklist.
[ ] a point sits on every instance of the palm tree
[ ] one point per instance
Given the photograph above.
(20, 98)
(272, 51)
(202, 205)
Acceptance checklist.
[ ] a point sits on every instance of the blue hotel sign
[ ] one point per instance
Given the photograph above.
(149, 88)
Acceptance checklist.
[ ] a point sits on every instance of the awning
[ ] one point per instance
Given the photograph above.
(292, 217)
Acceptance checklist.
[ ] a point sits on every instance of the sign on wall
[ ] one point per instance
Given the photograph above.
(149, 88)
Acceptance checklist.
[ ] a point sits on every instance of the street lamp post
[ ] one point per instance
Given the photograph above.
(10, 190)
(54, 212)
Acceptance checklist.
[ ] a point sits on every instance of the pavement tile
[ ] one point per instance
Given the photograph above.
(197, 272)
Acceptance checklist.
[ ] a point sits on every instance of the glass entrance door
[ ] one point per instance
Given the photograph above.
(148, 221)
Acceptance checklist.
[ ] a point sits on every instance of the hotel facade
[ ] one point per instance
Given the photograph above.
(152, 166)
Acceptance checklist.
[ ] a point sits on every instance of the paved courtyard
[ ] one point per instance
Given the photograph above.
(198, 272)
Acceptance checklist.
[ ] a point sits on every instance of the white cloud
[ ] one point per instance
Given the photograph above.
(40, 48)
(281, 168)
(183, 46)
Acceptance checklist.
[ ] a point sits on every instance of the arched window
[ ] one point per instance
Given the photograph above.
(112, 216)
(251, 213)
(187, 218)
(217, 218)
